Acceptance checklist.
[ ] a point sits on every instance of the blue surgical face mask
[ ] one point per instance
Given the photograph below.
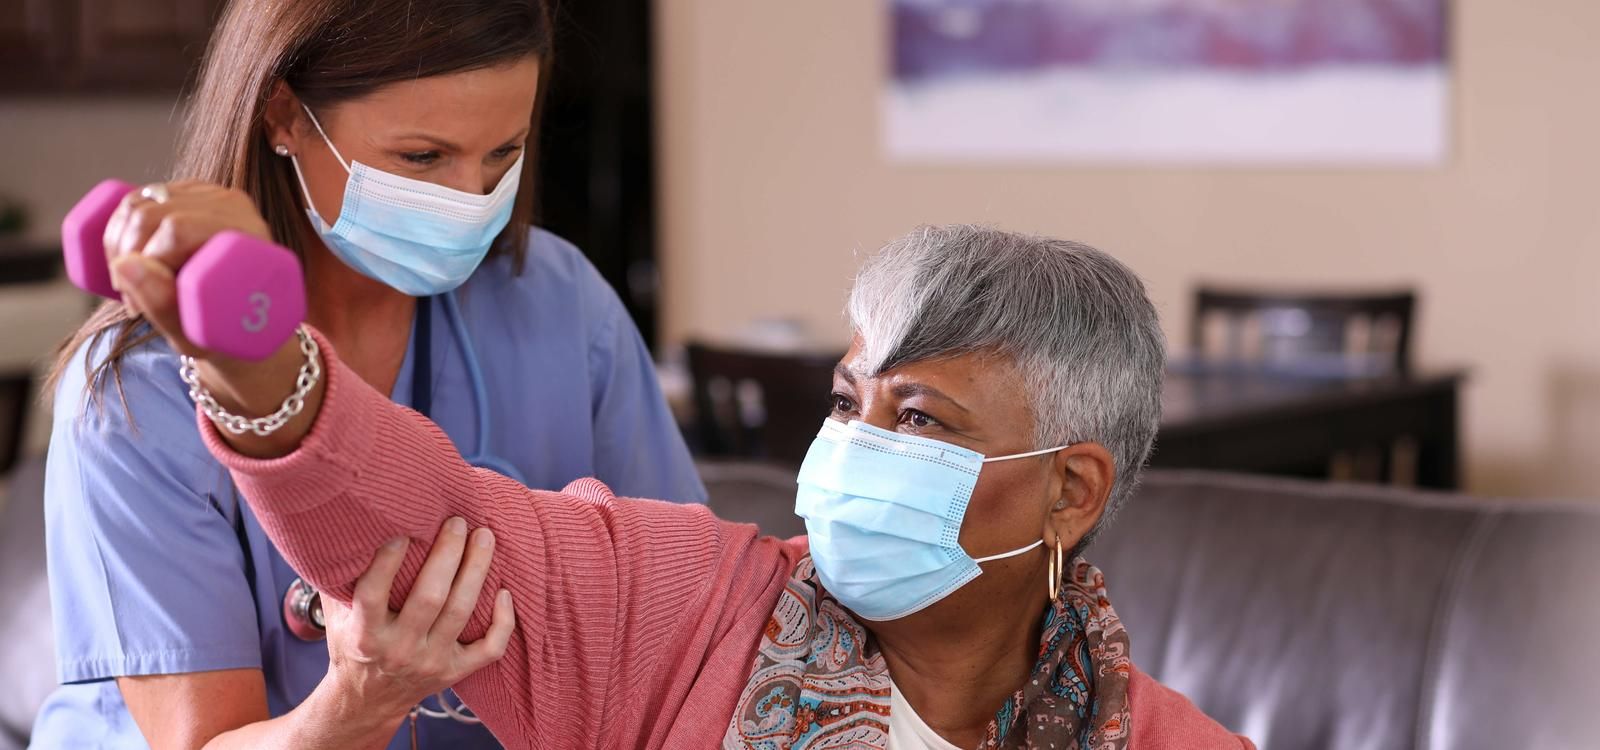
(884, 512)
(420, 238)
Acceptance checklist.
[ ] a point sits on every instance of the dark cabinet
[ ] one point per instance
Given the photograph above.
(102, 46)
(33, 44)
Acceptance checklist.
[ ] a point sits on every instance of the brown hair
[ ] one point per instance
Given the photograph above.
(327, 52)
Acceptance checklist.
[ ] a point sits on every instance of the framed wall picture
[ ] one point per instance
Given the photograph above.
(1210, 82)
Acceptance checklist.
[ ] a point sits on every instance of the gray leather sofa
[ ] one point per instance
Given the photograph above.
(1308, 616)
(1317, 616)
(1312, 615)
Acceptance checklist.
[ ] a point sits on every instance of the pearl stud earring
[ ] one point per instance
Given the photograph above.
(281, 150)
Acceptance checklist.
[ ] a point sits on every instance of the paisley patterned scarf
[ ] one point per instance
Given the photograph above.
(820, 682)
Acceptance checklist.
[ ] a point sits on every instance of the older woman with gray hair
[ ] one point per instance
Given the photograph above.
(1001, 394)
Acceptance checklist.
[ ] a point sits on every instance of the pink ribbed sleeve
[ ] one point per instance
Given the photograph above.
(637, 621)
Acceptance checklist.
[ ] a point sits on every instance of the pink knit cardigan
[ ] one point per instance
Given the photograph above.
(637, 620)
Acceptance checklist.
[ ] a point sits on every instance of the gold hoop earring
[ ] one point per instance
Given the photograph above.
(1053, 563)
(1061, 568)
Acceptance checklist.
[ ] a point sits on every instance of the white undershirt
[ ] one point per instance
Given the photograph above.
(907, 731)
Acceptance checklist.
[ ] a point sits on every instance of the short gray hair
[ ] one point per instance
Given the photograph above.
(1074, 321)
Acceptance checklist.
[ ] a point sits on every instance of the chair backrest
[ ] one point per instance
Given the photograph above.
(761, 405)
(16, 395)
(1362, 333)
(24, 264)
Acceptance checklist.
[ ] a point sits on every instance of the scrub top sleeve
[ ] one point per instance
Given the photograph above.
(638, 449)
(147, 573)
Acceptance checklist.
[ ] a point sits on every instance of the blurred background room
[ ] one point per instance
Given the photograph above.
(1369, 227)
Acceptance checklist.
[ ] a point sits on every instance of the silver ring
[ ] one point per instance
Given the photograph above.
(156, 192)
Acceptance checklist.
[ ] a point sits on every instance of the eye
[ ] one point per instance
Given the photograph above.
(841, 404)
(421, 158)
(917, 419)
(504, 152)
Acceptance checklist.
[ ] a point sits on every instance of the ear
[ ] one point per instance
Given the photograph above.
(1085, 472)
(285, 119)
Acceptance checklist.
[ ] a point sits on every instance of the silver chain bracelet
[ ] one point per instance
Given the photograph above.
(310, 373)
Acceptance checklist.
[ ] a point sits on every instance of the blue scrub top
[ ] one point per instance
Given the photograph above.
(158, 567)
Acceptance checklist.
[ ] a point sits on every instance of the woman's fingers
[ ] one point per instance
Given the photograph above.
(466, 588)
(180, 233)
(151, 289)
(371, 601)
(170, 222)
(432, 587)
(488, 649)
(133, 221)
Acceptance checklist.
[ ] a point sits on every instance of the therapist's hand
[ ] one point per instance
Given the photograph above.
(383, 662)
(146, 243)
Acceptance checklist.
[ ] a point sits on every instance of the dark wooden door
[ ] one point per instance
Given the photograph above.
(596, 159)
(35, 44)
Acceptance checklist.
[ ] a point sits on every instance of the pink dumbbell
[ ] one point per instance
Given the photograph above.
(238, 295)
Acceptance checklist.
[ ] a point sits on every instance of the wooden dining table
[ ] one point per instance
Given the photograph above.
(1284, 423)
(1230, 418)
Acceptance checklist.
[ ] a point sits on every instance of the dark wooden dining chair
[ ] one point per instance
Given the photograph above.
(1325, 335)
(1312, 333)
(760, 405)
(21, 263)
(16, 395)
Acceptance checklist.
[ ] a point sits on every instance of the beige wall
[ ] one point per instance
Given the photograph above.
(773, 181)
(55, 150)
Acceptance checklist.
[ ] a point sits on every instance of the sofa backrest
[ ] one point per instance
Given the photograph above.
(1313, 616)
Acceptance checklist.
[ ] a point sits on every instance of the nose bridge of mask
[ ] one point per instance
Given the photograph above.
(849, 461)
(421, 195)
(908, 471)
(440, 200)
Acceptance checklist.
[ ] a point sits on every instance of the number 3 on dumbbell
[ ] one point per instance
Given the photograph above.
(224, 291)
(260, 303)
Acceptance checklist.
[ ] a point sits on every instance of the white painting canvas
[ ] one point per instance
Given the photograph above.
(1286, 82)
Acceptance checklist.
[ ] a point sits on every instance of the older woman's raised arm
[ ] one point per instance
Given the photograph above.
(596, 581)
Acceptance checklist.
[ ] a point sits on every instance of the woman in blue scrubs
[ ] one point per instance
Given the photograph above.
(382, 140)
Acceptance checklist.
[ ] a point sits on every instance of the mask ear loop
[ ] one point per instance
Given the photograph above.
(325, 138)
(1029, 454)
(1012, 553)
(300, 176)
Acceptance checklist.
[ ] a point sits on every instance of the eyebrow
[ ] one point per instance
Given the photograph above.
(449, 146)
(904, 390)
(907, 390)
(435, 140)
